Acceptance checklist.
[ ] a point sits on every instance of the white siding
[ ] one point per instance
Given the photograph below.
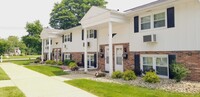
(185, 35)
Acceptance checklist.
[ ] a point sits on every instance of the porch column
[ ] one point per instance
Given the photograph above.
(49, 48)
(42, 57)
(110, 48)
(85, 50)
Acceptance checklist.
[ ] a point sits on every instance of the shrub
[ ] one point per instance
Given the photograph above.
(129, 75)
(60, 63)
(51, 62)
(117, 74)
(38, 60)
(73, 66)
(67, 62)
(151, 77)
(179, 71)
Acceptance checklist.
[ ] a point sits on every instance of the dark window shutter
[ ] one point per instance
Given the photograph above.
(70, 37)
(136, 24)
(95, 60)
(51, 41)
(170, 17)
(83, 60)
(70, 56)
(95, 34)
(172, 59)
(82, 34)
(63, 57)
(137, 65)
(63, 40)
(51, 57)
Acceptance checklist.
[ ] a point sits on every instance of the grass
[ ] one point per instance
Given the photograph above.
(11, 92)
(21, 62)
(3, 75)
(48, 70)
(19, 57)
(103, 89)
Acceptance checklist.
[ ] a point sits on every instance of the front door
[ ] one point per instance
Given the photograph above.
(119, 58)
(91, 61)
(106, 58)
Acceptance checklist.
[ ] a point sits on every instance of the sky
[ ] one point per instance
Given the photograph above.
(14, 14)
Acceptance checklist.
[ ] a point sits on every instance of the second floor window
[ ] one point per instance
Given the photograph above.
(90, 34)
(159, 20)
(67, 38)
(145, 22)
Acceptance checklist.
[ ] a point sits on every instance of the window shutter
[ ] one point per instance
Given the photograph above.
(51, 41)
(170, 17)
(63, 57)
(95, 60)
(136, 24)
(70, 56)
(172, 59)
(95, 34)
(63, 40)
(83, 60)
(70, 37)
(82, 34)
(137, 65)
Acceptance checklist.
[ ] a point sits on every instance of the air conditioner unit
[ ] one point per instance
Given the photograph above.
(149, 38)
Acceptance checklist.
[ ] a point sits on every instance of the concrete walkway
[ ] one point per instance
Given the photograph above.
(34, 84)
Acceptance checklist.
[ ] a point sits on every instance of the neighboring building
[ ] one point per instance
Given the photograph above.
(149, 36)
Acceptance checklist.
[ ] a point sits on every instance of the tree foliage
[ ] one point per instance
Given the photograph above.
(3, 46)
(68, 13)
(13, 42)
(32, 40)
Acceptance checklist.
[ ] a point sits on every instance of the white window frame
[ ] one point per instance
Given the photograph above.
(67, 56)
(154, 62)
(67, 38)
(152, 20)
(90, 33)
(159, 19)
(145, 22)
(89, 56)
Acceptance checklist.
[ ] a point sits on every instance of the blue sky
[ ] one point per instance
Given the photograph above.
(16, 13)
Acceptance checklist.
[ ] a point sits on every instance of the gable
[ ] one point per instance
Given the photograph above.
(93, 12)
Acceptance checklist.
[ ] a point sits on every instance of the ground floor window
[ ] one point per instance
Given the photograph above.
(67, 56)
(157, 62)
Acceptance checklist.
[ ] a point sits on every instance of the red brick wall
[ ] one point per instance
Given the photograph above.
(191, 59)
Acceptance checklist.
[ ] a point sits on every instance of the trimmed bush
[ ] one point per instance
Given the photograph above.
(151, 77)
(67, 62)
(117, 74)
(73, 66)
(51, 62)
(129, 75)
(179, 71)
(60, 63)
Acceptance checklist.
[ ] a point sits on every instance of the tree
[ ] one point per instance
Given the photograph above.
(32, 40)
(68, 13)
(3, 46)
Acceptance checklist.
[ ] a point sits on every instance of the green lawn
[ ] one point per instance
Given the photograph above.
(21, 62)
(48, 70)
(11, 92)
(102, 89)
(3, 75)
(18, 57)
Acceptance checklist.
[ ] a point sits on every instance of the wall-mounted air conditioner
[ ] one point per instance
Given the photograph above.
(149, 38)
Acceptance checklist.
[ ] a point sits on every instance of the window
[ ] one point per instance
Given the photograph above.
(147, 63)
(67, 38)
(159, 20)
(157, 62)
(90, 34)
(145, 22)
(67, 56)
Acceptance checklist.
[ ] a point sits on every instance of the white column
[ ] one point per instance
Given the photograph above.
(1, 59)
(49, 48)
(85, 50)
(42, 57)
(110, 48)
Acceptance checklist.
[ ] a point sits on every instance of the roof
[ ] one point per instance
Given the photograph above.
(158, 2)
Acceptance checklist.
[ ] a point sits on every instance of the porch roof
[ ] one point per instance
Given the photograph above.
(50, 33)
(96, 16)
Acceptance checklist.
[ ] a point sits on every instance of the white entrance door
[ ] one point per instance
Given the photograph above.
(106, 58)
(119, 58)
(91, 61)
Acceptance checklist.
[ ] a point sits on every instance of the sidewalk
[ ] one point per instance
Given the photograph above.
(34, 84)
